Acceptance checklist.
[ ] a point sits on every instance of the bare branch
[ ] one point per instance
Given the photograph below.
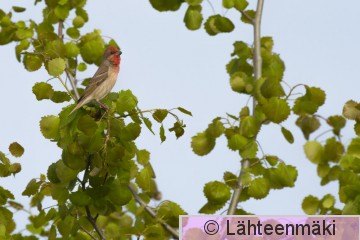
(150, 211)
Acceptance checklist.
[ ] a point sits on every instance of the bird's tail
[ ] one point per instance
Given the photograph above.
(79, 104)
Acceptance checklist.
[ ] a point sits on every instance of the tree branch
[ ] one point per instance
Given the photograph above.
(151, 212)
(91, 219)
(257, 74)
(248, 17)
(68, 74)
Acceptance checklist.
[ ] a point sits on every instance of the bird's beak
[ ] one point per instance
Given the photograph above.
(119, 52)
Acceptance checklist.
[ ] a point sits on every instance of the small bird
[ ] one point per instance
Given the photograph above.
(103, 80)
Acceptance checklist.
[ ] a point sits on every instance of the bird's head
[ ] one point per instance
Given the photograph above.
(112, 54)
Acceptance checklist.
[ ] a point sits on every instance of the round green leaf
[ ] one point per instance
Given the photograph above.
(310, 205)
(215, 129)
(16, 149)
(314, 151)
(276, 110)
(78, 22)
(166, 5)
(240, 5)
(49, 127)
(193, 17)
(87, 125)
(237, 142)
(160, 114)
(82, 67)
(202, 144)
(119, 194)
(72, 50)
(194, 2)
(62, 12)
(80, 199)
(126, 102)
(228, 3)
(59, 97)
(217, 192)
(259, 188)
(73, 32)
(351, 110)
(249, 126)
(64, 173)
(42, 91)
(18, 9)
(216, 24)
(169, 212)
(32, 62)
(56, 66)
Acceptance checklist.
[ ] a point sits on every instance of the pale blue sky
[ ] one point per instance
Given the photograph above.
(167, 66)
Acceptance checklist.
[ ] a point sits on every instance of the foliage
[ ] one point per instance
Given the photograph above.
(102, 182)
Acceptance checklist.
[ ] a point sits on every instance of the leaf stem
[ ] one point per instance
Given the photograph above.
(67, 89)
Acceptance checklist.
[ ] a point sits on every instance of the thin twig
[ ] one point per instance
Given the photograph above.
(247, 17)
(60, 29)
(87, 232)
(212, 7)
(149, 210)
(67, 89)
(72, 83)
(90, 218)
(245, 163)
(238, 188)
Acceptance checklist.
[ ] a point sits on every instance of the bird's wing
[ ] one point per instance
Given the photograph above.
(98, 78)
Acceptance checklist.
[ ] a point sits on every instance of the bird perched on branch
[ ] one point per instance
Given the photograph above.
(103, 80)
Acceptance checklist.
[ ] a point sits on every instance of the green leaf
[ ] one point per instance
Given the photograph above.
(16, 149)
(272, 88)
(217, 192)
(194, 2)
(210, 208)
(215, 129)
(272, 160)
(119, 194)
(178, 128)
(126, 102)
(237, 142)
(15, 168)
(310, 205)
(64, 173)
(78, 22)
(308, 125)
(273, 69)
(228, 3)
(130, 132)
(333, 150)
(166, 5)
(18, 9)
(249, 126)
(241, 83)
(276, 110)
(80, 199)
(250, 13)
(250, 150)
(49, 126)
(160, 114)
(23, 45)
(337, 122)
(87, 125)
(59, 97)
(287, 135)
(32, 188)
(202, 144)
(267, 43)
(23, 34)
(72, 50)
(310, 102)
(242, 50)
(92, 51)
(143, 157)
(281, 176)
(230, 179)
(62, 12)
(43, 90)
(314, 151)
(162, 134)
(239, 65)
(218, 24)
(259, 188)
(169, 212)
(72, 32)
(240, 5)
(148, 124)
(32, 62)
(328, 201)
(82, 67)
(183, 110)
(143, 179)
(193, 17)
(82, 13)
(56, 66)
(351, 110)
